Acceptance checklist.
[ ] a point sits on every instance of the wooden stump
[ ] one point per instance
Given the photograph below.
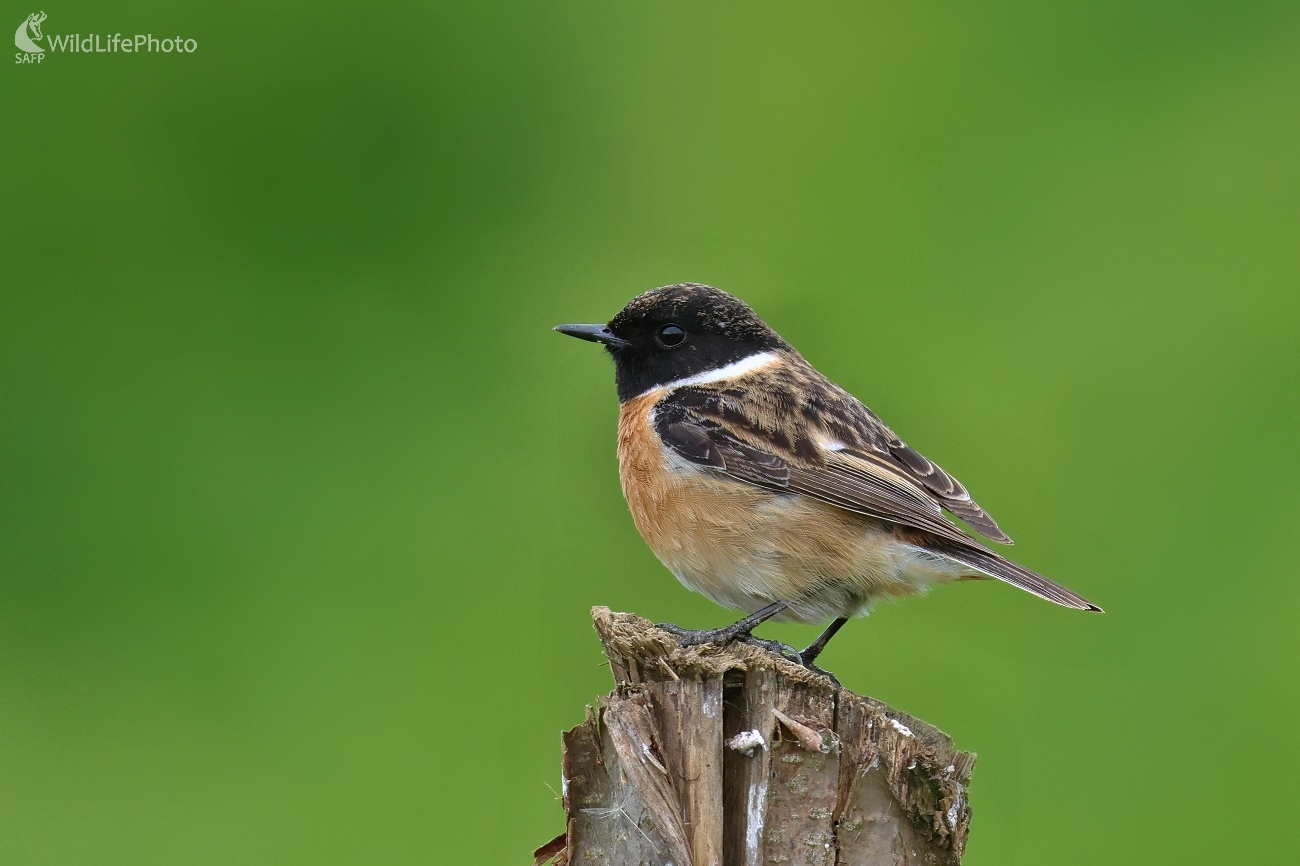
(732, 756)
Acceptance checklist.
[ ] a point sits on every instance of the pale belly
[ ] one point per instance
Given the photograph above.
(745, 547)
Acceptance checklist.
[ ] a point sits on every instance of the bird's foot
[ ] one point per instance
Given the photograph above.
(737, 632)
(697, 636)
(784, 650)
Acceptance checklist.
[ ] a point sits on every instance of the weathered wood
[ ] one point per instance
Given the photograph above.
(732, 756)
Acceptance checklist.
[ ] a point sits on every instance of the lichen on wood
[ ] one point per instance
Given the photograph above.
(732, 756)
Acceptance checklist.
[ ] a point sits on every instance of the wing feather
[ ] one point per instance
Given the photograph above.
(800, 397)
(861, 481)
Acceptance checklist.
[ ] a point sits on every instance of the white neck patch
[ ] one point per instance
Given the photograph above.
(734, 370)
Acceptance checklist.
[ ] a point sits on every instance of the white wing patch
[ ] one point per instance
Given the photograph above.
(826, 443)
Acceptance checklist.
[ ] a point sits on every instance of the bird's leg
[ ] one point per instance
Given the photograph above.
(736, 631)
(814, 649)
(808, 655)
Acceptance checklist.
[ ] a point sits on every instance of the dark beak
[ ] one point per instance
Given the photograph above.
(593, 333)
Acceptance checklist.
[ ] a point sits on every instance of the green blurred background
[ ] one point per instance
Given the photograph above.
(303, 506)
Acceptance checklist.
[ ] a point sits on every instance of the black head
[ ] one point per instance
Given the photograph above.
(675, 332)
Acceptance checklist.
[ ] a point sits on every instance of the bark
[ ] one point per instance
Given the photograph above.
(732, 756)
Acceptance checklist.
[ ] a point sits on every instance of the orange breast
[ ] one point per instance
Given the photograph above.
(649, 484)
(720, 537)
(690, 520)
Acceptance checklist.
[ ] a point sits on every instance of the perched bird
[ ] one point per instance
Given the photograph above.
(768, 488)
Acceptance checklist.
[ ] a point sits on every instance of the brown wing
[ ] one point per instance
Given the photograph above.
(852, 480)
(886, 447)
(843, 480)
(790, 406)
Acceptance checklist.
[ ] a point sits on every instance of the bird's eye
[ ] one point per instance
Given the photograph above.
(670, 336)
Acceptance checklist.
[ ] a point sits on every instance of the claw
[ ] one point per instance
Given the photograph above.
(785, 651)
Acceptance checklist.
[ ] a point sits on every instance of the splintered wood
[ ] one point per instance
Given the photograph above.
(731, 756)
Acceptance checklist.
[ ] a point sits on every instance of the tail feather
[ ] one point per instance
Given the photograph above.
(1017, 575)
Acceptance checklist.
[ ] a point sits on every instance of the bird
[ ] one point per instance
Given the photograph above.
(761, 484)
